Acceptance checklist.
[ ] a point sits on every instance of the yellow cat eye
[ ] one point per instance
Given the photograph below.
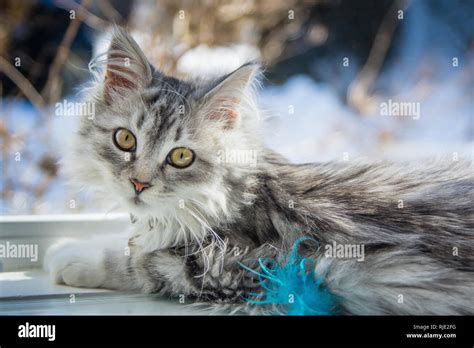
(180, 157)
(124, 140)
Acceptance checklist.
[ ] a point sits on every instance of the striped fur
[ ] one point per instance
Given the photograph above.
(194, 226)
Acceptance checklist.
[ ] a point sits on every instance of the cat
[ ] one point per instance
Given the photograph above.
(156, 146)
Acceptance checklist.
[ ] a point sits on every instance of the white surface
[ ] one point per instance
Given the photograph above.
(44, 230)
(35, 283)
(64, 218)
(33, 293)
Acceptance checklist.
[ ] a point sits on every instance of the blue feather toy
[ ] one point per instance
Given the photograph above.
(293, 284)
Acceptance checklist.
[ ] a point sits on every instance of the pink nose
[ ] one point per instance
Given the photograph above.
(139, 186)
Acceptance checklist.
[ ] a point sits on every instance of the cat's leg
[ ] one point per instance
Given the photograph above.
(95, 263)
(213, 274)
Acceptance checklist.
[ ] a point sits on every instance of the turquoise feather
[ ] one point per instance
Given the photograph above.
(293, 285)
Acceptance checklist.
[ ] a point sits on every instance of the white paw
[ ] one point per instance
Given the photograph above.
(76, 263)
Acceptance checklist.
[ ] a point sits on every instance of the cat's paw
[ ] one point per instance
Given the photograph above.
(75, 263)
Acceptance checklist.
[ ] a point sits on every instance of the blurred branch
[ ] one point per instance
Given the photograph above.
(109, 11)
(358, 95)
(22, 82)
(52, 83)
(85, 16)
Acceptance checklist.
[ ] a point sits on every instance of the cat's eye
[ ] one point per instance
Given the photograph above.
(180, 157)
(124, 140)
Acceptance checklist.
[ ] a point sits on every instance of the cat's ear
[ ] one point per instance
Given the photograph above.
(223, 100)
(127, 67)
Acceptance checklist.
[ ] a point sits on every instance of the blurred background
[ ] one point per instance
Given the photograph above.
(332, 69)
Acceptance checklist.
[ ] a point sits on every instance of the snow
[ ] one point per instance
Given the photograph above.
(323, 128)
(215, 61)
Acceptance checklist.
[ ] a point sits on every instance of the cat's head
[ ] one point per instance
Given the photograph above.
(158, 144)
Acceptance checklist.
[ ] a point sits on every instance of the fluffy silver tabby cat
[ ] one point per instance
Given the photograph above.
(156, 146)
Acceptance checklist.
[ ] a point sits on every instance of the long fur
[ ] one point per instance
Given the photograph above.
(195, 226)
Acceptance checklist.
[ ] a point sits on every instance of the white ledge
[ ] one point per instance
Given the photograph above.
(64, 217)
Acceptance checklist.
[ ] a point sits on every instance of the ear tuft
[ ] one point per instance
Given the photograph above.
(127, 66)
